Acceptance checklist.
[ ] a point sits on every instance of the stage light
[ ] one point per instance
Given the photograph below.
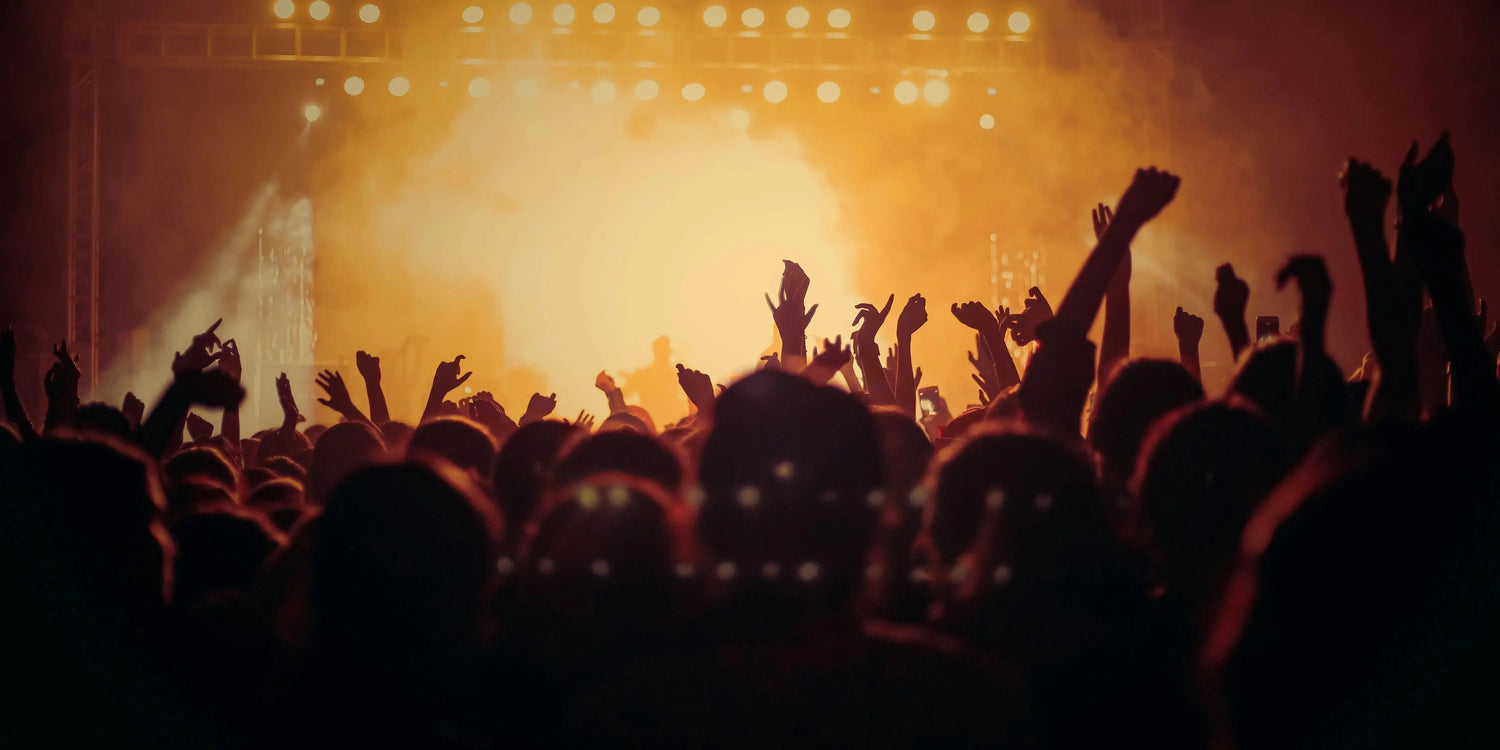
(828, 92)
(528, 88)
(839, 18)
(443, 83)
(775, 92)
(992, 91)
(312, 112)
(747, 88)
(604, 13)
(603, 92)
(1018, 22)
(473, 14)
(907, 92)
(646, 90)
(979, 23)
(753, 18)
(648, 16)
(479, 88)
(694, 92)
(399, 86)
(739, 119)
(319, 10)
(563, 14)
(715, 16)
(354, 85)
(369, 13)
(987, 122)
(798, 17)
(923, 20)
(935, 91)
(520, 13)
(318, 82)
(284, 9)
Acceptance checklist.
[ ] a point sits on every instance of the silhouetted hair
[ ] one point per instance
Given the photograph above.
(459, 440)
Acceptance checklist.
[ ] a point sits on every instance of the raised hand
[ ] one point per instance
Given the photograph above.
(828, 361)
(368, 367)
(604, 382)
(771, 361)
(538, 408)
(133, 408)
(791, 316)
(1102, 217)
(1148, 194)
(446, 378)
(978, 317)
(289, 413)
(199, 429)
(1188, 327)
(1420, 184)
(61, 384)
(584, 420)
(913, 317)
(338, 399)
(1023, 324)
(1367, 192)
(1312, 279)
(869, 319)
(698, 386)
(200, 353)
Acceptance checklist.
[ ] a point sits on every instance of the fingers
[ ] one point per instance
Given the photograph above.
(461, 379)
(810, 312)
(214, 327)
(326, 402)
(891, 300)
(770, 304)
(978, 381)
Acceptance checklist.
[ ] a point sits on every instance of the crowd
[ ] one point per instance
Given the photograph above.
(1101, 554)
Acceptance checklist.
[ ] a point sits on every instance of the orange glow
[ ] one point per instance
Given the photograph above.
(685, 252)
(1019, 22)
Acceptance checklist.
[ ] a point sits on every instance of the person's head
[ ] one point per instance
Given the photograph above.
(1348, 585)
(1267, 378)
(523, 465)
(271, 448)
(1139, 392)
(286, 467)
(343, 448)
(220, 551)
(458, 440)
(249, 449)
(203, 463)
(102, 419)
(624, 421)
(623, 452)
(640, 413)
(402, 555)
(85, 510)
(787, 472)
(1202, 471)
(193, 493)
(281, 499)
(1025, 560)
(314, 433)
(600, 564)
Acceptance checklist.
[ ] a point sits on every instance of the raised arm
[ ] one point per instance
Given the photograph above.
(790, 316)
(369, 369)
(699, 389)
(1231, 296)
(1114, 348)
(1056, 384)
(339, 399)
(444, 380)
(62, 390)
(1393, 304)
(612, 392)
(1321, 399)
(867, 351)
(913, 316)
(996, 367)
(828, 361)
(14, 410)
(229, 425)
(1189, 330)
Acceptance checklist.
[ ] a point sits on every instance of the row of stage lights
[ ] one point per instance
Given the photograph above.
(934, 91)
(714, 16)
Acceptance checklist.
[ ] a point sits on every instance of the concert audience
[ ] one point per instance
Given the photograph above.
(1301, 561)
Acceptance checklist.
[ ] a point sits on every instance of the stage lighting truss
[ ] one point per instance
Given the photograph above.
(563, 35)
